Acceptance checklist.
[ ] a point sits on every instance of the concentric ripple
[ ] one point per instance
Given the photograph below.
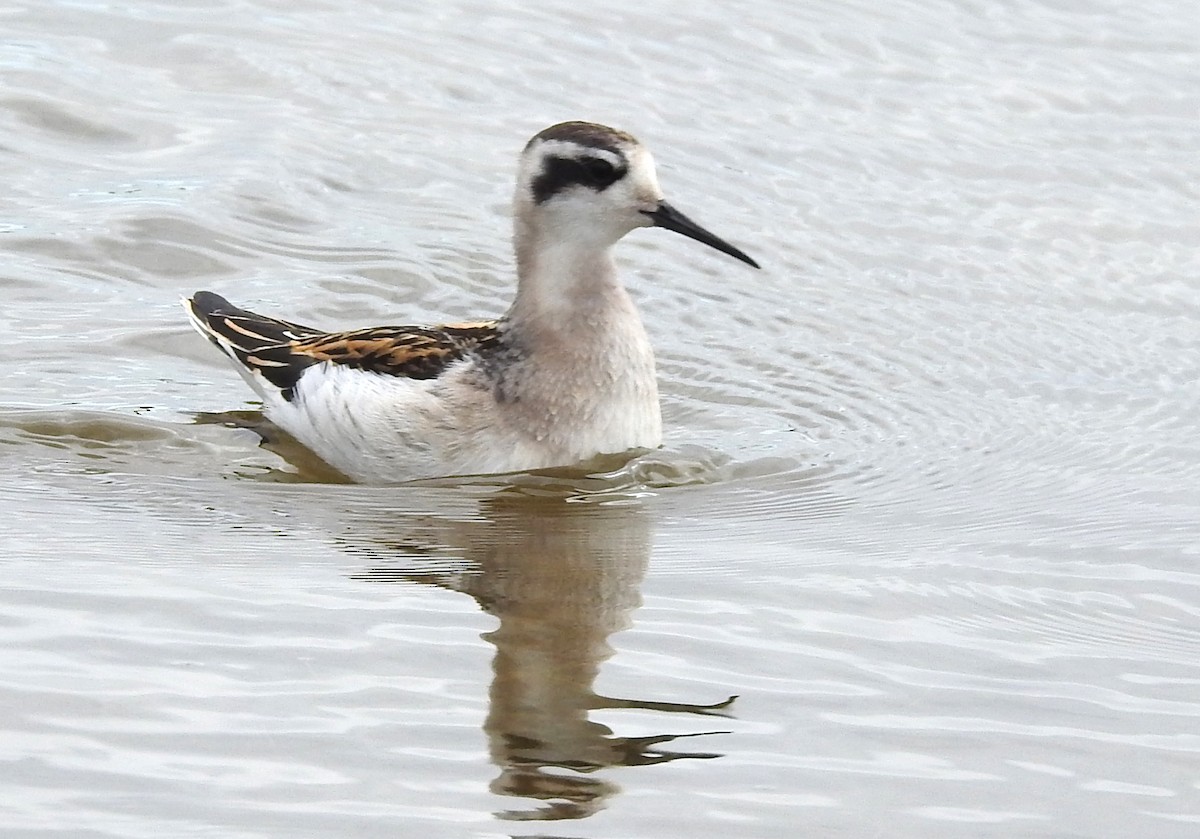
(927, 505)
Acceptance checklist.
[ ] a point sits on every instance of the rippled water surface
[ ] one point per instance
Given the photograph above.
(929, 505)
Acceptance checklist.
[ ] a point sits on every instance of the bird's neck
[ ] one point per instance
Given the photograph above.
(567, 285)
(580, 377)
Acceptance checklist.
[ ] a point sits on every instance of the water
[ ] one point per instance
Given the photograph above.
(928, 506)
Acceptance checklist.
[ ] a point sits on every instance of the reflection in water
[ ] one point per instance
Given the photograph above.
(561, 578)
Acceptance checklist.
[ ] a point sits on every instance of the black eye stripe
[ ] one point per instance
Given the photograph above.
(559, 173)
(599, 170)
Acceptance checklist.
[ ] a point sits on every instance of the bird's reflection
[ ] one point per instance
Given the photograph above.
(561, 578)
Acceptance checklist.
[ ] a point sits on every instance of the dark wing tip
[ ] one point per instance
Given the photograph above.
(208, 303)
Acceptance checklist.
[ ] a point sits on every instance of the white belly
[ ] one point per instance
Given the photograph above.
(386, 429)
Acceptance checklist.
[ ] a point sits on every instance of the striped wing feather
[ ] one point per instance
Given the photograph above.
(281, 351)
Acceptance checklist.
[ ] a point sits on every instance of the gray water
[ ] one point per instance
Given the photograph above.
(929, 505)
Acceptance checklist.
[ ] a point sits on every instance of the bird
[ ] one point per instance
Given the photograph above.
(565, 375)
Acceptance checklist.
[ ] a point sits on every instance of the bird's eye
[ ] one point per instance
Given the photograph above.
(598, 171)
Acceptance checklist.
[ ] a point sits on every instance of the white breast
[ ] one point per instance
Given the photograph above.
(384, 429)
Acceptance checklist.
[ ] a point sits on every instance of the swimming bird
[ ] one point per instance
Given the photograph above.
(566, 374)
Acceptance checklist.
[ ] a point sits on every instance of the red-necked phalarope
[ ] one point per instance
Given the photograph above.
(565, 375)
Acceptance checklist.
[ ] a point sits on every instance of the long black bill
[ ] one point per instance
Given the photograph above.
(670, 218)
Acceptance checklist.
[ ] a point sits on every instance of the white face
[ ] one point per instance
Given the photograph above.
(585, 192)
(583, 186)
